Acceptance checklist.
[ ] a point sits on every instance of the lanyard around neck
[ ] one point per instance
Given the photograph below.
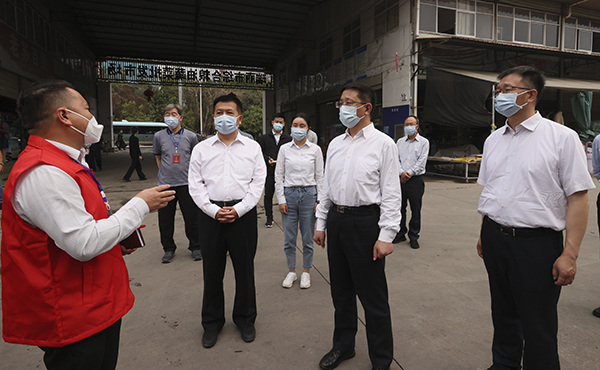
(173, 140)
(99, 186)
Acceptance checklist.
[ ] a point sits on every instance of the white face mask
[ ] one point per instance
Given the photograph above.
(93, 131)
(298, 133)
(172, 122)
(506, 104)
(348, 115)
(410, 130)
(226, 124)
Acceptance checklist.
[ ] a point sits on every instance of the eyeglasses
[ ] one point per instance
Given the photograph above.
(339, 103)
(175, 114)
(508, 90)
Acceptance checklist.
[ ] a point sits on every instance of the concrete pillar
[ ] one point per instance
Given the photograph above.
(105, 112)
(268, 109)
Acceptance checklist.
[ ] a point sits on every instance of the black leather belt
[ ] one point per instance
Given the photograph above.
(362, 210)
(520, 232)
(226, 203)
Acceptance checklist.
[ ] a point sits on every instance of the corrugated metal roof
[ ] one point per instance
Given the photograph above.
(233, 32)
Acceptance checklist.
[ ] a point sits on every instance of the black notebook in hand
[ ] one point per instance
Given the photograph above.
(135, 240)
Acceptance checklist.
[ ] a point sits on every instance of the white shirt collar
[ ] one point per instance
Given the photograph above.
(365, 132)
(77, 155)
(530, 123)
(306, 144)
(217, 139)
(415, 139)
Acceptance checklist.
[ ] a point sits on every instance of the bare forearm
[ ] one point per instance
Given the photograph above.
(577, 218)
(157, 161)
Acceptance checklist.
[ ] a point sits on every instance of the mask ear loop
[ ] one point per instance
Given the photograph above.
(357, 108)
(521, 106)
(80, 115)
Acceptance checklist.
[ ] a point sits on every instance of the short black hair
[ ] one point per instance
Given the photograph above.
(365, 93)
(304, 116)
(532, 77)
(176, 106)
(415, 117)
(134, 130)
(231, 97)
(37, 102)
(278, 115)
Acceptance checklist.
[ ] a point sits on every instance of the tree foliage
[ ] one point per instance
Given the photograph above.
(129, 103)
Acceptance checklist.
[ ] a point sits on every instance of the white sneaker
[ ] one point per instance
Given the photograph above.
(305, 280)
(289, 280)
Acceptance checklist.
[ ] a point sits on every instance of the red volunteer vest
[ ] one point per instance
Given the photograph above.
(48, 298)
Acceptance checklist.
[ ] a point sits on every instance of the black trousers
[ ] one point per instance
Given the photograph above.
(524, 298)
(240, 239)
(166, 219)
(412, 191)
(598, 209)
(136, 164)
(269, 191)
(353, 272)
(98, 352)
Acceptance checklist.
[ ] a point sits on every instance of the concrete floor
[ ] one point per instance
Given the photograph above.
(438, 294)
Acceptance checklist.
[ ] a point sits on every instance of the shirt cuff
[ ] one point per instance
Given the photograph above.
(386, 235)
(241, 209)
(321, 224)
(212, 210)
(140, 205)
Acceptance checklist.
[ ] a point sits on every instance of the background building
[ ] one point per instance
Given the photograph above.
(438, 59)
(434, 58)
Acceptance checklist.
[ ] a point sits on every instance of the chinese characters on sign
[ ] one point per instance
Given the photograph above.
(124, 71)
(28, 58)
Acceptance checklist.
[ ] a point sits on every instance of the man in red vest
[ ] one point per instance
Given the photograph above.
(65, 285)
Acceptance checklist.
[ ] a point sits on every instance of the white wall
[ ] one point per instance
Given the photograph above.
(397, 85)
(330, 18)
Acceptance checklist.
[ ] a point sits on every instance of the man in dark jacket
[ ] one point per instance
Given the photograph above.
(136, 156)
(270, 144)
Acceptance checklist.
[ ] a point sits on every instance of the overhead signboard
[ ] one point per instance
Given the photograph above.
(127, 71)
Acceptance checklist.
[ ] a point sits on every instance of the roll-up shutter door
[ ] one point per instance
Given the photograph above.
(9, 84)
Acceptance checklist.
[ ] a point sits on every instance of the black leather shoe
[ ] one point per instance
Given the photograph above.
(596, 312)
(248, 334)
(209, 338)
(399, 238)
(168, 257)
(334, 358)
(126, 180)
(197, 255)
(381, 368)
(414, 244)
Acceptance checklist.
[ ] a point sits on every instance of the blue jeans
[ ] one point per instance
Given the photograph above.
(301, 204)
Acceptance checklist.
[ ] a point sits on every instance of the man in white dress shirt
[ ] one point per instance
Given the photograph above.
(226, 179)
(535, 182)
(64, 282)
(596, 172)
(412, 153)
(360, 207)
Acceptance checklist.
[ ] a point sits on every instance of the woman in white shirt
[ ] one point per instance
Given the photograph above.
(298, 184)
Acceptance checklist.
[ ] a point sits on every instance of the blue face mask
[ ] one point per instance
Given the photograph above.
(506, 104)
(348, 115)
(410, 130)
(277, 126)
(298, 133)
(226, 124)
(172, 122)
